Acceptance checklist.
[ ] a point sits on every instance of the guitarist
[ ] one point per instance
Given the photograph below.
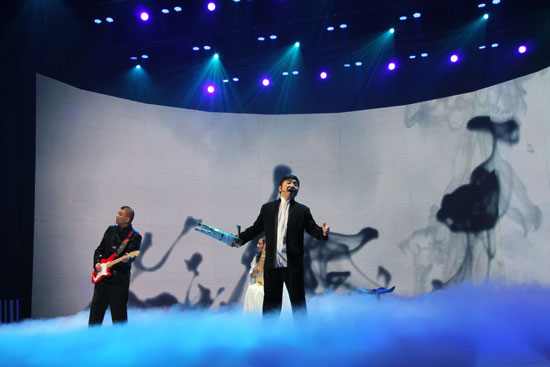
(112, 291)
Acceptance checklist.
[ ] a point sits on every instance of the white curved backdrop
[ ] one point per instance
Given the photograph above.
(377, 177)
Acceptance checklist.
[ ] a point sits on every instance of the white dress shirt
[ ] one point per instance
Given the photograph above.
(282, 221)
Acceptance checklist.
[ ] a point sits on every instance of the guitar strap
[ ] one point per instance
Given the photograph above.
(125, 242)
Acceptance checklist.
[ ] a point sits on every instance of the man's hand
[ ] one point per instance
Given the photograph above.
(126, 258)
(326, 229)
(98, 267)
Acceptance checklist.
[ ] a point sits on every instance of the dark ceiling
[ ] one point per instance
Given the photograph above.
(96, 57)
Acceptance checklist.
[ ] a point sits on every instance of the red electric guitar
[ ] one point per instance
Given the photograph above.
(106, 265)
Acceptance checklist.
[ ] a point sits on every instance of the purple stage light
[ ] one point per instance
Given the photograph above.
(454, 58)
(265, 82)
(391, 66)
(210, 89)
(323, 75)
(144, 16)
(522, 49)
(211, 6)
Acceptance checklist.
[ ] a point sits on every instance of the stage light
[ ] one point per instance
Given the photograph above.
(522, 49)
(177, 8)
(265, 82)
(391, 66)
(481, 5)
(273, 37)
(417, 15)
(297, 44)
(412, 57)
(343, 26)
(424, 54)
(206, 47)
(347, 65)
(482, 47)
(330, 28)
(323, 75)
(97, 21)
(165, 11)
(295, 72)
(285, 73)
(210, 89)
(216, 56)
(235, 79)
(454, 58)
(144, 56)
(133, 57)
(403, 17)
(392, 30)
(144, 16)
(138, 66)
(225, 80)
(211, 6)
(496, 2)
(358, 63)
(109, 20)
(196, 48)
(494, 45)
(261, 39)
(236, 1)
(485, 16)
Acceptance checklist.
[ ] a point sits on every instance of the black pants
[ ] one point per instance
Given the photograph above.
(112, 292)
(273, 291)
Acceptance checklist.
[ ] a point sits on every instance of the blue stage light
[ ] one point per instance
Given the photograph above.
(285, 73)
(177, 8)
(412, 57)
(297, 44)
(482, 47)
(424, 54)
(454, 58)
(323, 75)
(235, 79)
(496, 2)
(295, 72)
(144, 56)
(196, 48)
(211, 6)
(109, 20)
(144, 16)
(485, 16)
(225, 80)
(481, 5)
(522, 49)
(343, 26)
(417, 15)
(494, 45)
(165, 11)
(133, 57)
(358, 63)
(273, 37)
(330, 28)
(392, 30)
(138, 66)
(261, 39)
(265, 82)
(403, 17)
(210, 89)
(216, 56)
(97, 21)
(347, 65)
(392, 66)
(206, 47)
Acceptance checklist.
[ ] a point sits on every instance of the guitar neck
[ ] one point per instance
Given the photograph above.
(116, 261)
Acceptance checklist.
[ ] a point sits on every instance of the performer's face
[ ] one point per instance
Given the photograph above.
(122, 218)
(260, 246)
(289, 188)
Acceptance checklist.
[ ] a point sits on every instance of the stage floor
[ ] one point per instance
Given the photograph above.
(464, 325)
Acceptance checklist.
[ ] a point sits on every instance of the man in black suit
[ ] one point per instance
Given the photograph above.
(283, 221)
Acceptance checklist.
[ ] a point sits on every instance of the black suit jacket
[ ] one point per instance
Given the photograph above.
(299, 219)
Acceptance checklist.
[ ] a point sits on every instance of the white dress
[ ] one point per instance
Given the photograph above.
(254, 297)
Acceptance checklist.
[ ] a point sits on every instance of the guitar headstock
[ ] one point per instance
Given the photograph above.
(132, 254)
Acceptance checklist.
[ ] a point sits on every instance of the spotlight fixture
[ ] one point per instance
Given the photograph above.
(496, 2)
(392, 30)
(485, 16)
(391, 66)
(138, 66)
(295, 72)
(403, 17)
(225, 80)
(133, 57)
(265, 82)
(211, 6)
(196, 48)
(97, 21)
(273, 37)
(522, 49)
(216, 56)
(206, 47)
(412, 57)
(285, 73)
(144, 56)
(330, 28)
(165, 11)
(424, 54)
(323, 75)
(235, 79)
(417, 15)
(109, 20)
(494, 45)
(144, 16)
(343, 26)
(454, 58)
(347, 65)
(481, 5)
(261, 39)
(297, 44)
(177, 8)
(482, 47)
(358, 63)
(210, 89)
